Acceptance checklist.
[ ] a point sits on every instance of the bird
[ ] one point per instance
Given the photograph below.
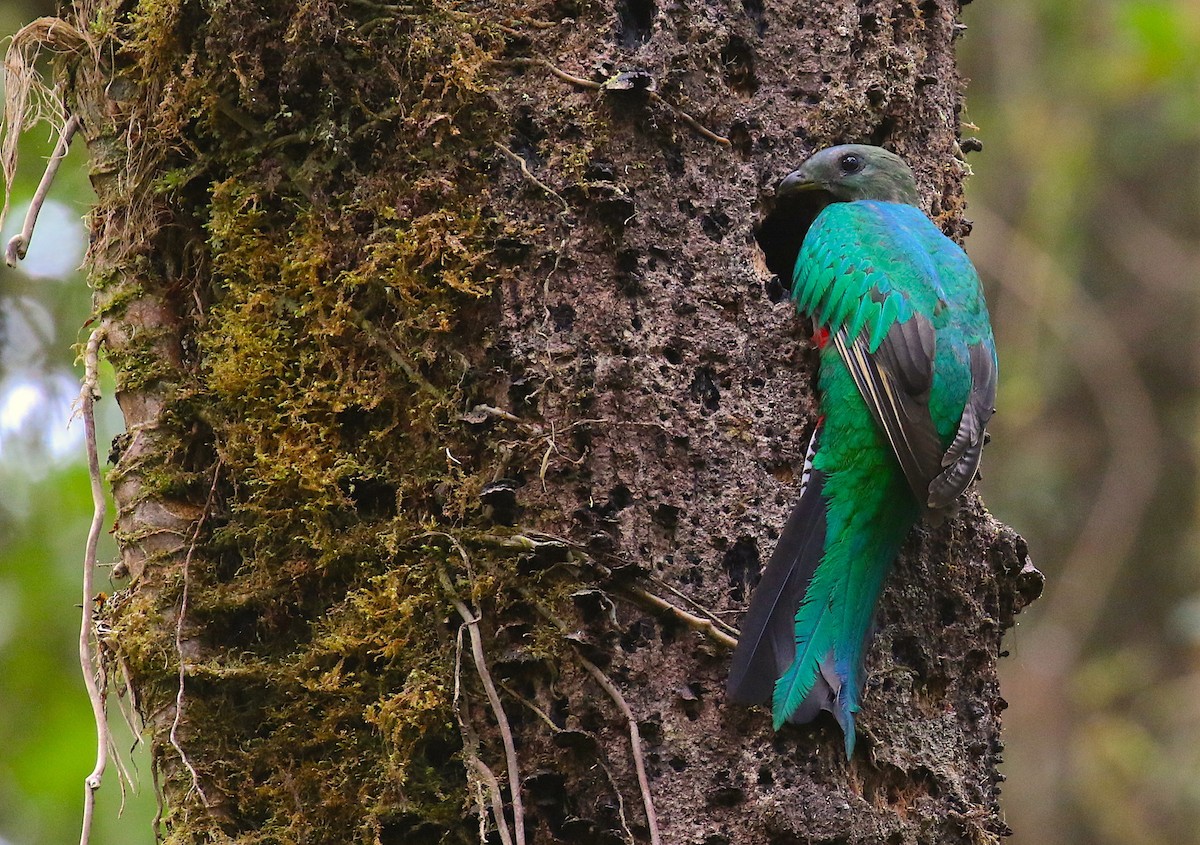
(906, 385)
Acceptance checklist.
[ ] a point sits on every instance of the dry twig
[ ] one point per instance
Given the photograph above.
(696, 623)
(524, 165)
(653, 95)
(708, 624)
(635, 735)
(612, 781)
(471, 622)
(635, 742)
(691, 121)
(179, 622)
(717, 621)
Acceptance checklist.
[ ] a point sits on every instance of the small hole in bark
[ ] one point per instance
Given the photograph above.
(689, 701)
(754, 11)
(907, 650)
(563, 316)
(560, 708)
(741, 138)
(639, 634)
(635, 19)
(373, 498)
(619, 498)
(704, 389)
(883, 131)
(651, 730)
(947, 612)
(738, 59)
(742, 563)
(715, 225)
(499, 499)
(666, 515)
(526, 135)
(725, 796)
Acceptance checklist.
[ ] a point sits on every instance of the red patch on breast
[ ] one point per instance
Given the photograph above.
(820, 338)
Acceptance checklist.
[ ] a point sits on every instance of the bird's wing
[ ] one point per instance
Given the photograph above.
(867, 273)
(895, 381)
(961, 460)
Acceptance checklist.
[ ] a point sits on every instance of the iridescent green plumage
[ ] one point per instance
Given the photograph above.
(906, 388)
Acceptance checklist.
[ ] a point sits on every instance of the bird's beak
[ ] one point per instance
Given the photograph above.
(794, 183)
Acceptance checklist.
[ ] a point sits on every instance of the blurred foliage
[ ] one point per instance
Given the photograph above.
(47, 737)
(1087, 209)
(1086, 201)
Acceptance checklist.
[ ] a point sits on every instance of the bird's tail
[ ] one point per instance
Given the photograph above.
(832, 624)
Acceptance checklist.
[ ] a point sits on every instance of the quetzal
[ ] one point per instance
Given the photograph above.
(906, 385)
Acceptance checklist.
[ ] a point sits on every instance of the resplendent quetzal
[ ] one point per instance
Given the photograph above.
(907, 383)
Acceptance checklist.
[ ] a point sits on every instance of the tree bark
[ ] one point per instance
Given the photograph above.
(446, 320)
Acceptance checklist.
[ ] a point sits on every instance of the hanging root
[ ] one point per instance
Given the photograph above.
(635, 734)
(483, 774)
(179, 651)
(87, 659)
(27, 99)
(18, 244)
(524, 165)
(635, 742)
(471, 622)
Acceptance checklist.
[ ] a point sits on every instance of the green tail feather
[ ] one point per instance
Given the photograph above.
(868, 510)
(797, 682)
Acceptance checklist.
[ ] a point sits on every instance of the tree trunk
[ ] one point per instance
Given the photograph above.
(444, 321)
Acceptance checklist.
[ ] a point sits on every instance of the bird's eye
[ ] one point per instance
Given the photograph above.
(851, 163)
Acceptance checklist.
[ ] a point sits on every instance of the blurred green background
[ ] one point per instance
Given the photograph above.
(47, 737)
(1086, 201)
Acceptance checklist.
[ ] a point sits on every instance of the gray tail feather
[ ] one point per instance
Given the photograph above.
(826, 695)
(823, 696)
(767, 644)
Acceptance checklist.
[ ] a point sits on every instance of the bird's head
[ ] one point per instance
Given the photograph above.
(853, 172)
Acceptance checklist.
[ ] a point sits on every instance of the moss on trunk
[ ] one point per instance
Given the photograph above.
(405, 293)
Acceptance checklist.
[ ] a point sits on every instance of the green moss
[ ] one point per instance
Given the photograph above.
(333, 295)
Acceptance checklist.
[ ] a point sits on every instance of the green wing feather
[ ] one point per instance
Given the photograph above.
(886, 282)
